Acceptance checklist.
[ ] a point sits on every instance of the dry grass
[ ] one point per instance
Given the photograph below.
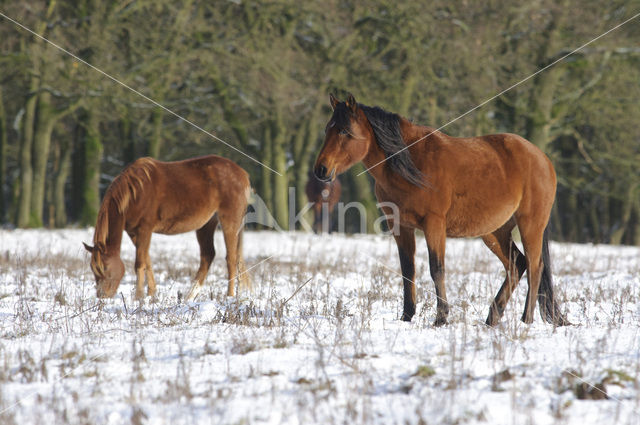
(331, 352)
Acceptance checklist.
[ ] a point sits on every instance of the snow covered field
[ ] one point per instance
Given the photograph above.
(334, 352)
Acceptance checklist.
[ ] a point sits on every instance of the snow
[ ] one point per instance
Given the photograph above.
(333, 352)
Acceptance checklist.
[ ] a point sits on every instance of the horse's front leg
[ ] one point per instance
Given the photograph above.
(406, 242)
(435, 233)
(151, 281)
(142, 242)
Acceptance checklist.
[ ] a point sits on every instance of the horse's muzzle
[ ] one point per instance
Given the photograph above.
(322, 173)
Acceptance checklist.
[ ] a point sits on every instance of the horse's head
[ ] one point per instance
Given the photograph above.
(348, 136)
(108, 270)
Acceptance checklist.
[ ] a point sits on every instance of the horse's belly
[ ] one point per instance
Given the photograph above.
(182, 224)
(472, 222)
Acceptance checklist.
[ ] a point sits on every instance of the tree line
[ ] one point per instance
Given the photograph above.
(257, 75)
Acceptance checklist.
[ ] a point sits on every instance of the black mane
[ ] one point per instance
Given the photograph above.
(386, 129)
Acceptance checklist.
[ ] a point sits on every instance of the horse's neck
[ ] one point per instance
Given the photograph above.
(374, 162)
(411, 133)
(375, 159)
(114, 230)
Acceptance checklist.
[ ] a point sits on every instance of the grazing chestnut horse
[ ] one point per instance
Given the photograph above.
(458, 187)
(170, 198)
(324, 196)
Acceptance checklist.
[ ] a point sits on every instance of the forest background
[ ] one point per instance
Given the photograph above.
(257, 74)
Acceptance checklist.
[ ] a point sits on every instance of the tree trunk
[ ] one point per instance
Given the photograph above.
(625, 216)
(635, 227)
(230, 117)
(26, 172)
(364, 194)
(574, 224)
(129, 146)
(539, 119)
(304, 148)
(40, 155)
(595, 220)
(301, 169)
(266, 188)
(46, 118)
(60, 179)
(279, 160)
(407, 94)
(3, 158)
(77, 168)
(433, 111)
(93, 158)
(156, 135)
(26, 143)
(544, 86)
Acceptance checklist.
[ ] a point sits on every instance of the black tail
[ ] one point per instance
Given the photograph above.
(549, 309)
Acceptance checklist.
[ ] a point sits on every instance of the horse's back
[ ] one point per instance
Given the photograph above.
(502, 155)
(183, 195)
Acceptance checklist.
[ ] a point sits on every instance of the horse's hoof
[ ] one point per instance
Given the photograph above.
(527, 320)
(406, 317)
(440, 321)
(492, 320)
(193, 292)
(491, 323)
(562, 322)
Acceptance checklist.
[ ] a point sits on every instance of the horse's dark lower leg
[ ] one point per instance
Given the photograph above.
(406, 242)
(515, 270)
(407, 265)
(501, 244)
(435, 233)
(549, 309)
(436, 266)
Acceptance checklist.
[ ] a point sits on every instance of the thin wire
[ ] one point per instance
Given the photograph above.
(147, 98)
(503, 92)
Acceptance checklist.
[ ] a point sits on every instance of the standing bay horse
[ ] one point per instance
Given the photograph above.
(458, 187)
(324, 196)
(170, 198)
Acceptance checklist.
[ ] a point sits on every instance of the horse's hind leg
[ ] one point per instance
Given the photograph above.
(501, 244)
(532, 232)
(207, 254)
(243, 276)
(232, 227)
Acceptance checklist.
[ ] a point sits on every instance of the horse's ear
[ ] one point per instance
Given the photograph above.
(88, 247)
(333, 101)
(351, 103)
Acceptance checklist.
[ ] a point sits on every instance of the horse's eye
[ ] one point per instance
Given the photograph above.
(344, 132)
